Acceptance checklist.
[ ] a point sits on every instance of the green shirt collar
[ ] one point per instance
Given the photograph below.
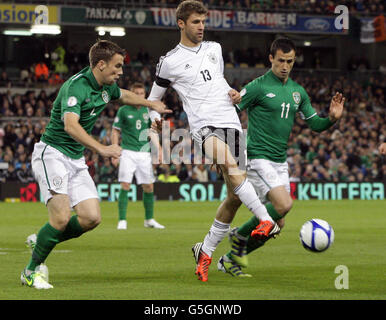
(275, 78)
(95, 85)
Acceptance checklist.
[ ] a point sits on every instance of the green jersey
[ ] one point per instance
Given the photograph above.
(134, 124)
(272, 106)
(82, 95)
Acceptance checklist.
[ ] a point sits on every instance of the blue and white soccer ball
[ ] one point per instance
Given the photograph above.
(316, 235)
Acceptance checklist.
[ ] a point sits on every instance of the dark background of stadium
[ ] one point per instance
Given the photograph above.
(327, 63)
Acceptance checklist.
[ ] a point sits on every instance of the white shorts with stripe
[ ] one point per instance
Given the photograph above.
(136, 163)
(266, 175)
(59, 173)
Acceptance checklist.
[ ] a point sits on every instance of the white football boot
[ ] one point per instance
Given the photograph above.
(151, 223)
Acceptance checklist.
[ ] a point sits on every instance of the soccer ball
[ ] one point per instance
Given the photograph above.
(316, 235)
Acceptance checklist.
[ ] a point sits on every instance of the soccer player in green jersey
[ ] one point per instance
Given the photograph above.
(57, 160)
(272, 102)
(133, 124)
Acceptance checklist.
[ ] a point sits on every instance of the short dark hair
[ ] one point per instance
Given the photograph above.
(104, 50)
(187, 7)
(283, 44)
(137, 85)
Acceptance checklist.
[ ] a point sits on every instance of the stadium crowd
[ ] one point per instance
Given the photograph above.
(346, 152)
(363, 7)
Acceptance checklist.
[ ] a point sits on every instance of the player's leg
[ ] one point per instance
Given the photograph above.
(50, 171)
(48, 237)
(224, 216)
(126, 171)
(240, 184)
(272, 182)
(148, 204)
(145, 177)
(88, 217)
(122, 205)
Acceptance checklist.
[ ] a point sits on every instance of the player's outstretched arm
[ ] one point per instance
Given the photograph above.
(130, 98)
(76, 131)
(336, 107)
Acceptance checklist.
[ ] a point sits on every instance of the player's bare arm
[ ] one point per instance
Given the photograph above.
(115, 135)
(130, 98)
(75, 130)
(154, 140)
(336, 107)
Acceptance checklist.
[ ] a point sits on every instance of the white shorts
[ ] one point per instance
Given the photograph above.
(56, 172)
(136, 163)
(266, 175)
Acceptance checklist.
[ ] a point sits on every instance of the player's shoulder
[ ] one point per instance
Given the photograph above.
(258, 81)
(211, 44)
(170, 54)
(297, 86)
(77, 82)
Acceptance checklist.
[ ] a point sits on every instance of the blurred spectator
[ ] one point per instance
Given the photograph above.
(24, 174)
(166, 175)
(201, 173)
(106, 171)
(4, 80)
(346, 152)
(41, 72)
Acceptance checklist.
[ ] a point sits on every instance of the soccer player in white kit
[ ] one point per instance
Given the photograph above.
(195, 69)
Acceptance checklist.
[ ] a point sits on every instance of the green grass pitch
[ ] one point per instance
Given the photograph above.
(149, 264)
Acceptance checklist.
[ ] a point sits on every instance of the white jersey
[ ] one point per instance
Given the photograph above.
(197, 74)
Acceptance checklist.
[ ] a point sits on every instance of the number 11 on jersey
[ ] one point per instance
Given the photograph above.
(283, 107)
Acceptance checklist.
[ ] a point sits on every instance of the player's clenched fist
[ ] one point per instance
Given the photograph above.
(113, 151)
(235, 96)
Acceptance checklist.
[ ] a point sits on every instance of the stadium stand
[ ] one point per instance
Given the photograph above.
(346, 152)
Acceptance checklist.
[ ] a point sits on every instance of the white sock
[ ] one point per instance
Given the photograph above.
(248, 196)
(216, 234)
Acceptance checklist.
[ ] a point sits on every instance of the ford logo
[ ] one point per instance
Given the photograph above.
(317, 24)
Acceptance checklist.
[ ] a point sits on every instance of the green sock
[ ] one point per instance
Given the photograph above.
(148, 203)
(47, 239)
(272, 212)
(122, 204)
(73, 229)
(246, 229)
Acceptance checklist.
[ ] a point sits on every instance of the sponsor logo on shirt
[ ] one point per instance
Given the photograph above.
(188, 66)
(271, 95)
(105, 96)
(243, 92)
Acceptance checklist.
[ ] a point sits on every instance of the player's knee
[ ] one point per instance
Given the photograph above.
(285, 206)
(60, 221)
(91, 221)
(125, 186)
(148, 188)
